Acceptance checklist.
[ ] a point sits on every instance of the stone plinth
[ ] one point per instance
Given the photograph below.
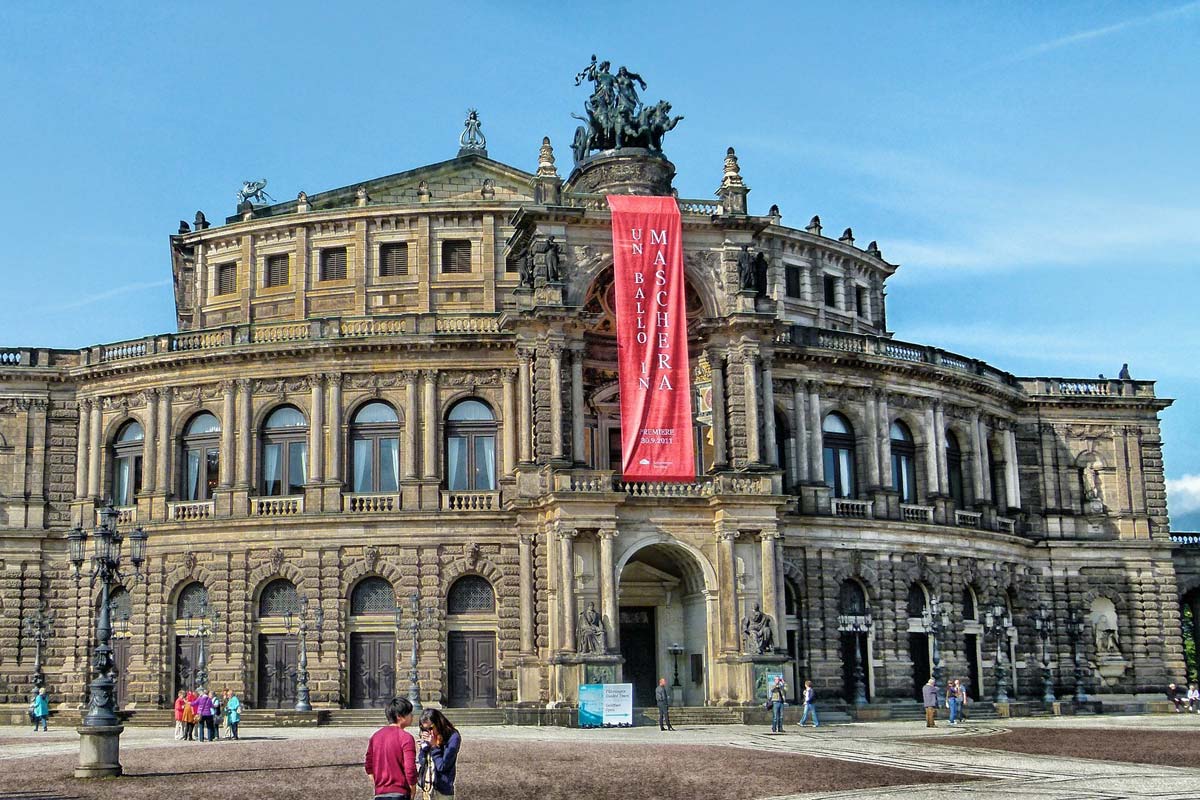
(99, 751)
(630, 170)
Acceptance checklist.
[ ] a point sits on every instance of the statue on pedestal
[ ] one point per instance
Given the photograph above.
(759, 633)
(589, 633)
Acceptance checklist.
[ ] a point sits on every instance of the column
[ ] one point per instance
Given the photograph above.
(727, 565)
(556, 407)
(939, 422)
(81, 450)
(410, 425)
(245, 434)
(872, 442)
(1012, 472)
(525, 551)
(228, 427)
(164, 440)
(800, 423)
(97, 450)
(577, 409)
(150, 481)
(525, 365)
(429, 467)
(720, 452)
(816, 468)
(608, 589)
(316, 430)
(333, 464)
(750, 385)
(508, 379)
(931, 453)
(885, 441)
(567, 587)
(769, 542)
(980, 463)
(768, 410)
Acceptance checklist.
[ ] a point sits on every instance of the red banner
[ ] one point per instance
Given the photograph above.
(652, 356)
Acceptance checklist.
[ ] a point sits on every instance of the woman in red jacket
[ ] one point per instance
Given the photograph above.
(179, 703)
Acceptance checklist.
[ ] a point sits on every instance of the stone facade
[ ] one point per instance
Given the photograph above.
(1026, 493)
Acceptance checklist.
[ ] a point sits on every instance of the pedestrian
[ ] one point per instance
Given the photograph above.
(204, 714)
(438, 755)
(39, 709)
(217, 716)
(1176, 698)
(233, 713)
(189, 717)
(809, 698)
(964, 698)
(1193, 698)
(929, 695)
(777, 699)
(953, 701)
(662, 698)
(392, 754)
(180, 702)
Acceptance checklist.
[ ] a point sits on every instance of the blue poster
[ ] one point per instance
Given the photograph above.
(591, 705)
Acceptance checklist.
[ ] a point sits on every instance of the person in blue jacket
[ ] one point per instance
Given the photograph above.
(40, 711)
(438, 756)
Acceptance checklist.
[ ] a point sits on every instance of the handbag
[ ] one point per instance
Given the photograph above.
(428, 773)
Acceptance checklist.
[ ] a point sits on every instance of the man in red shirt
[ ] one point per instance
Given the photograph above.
(392, 754)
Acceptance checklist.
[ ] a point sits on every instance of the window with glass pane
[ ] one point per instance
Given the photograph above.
(333, 264)
(830, 286)
(791, 279)
(201, 457)
(375, 448)
(226, 278)
(276, 270)
(284, 465)
(839, 455)
(954, 470)
(393, 259)
(456, 255)
(904, 468)
(127, 464)
(470, 447)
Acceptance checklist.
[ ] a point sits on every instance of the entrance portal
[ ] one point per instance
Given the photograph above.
(638, 649)
(277, 657)
(472, 668)
(372, 669)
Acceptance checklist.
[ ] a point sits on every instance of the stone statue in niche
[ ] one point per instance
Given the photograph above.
(553, 262)
(759, 633)
(525, 269)
(746, 270)
(589, 633)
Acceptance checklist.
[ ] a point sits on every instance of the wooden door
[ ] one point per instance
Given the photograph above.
(187, 662)
(372, 669)
(472, 669)
(639, 647)
(918, 651)
(277, 657)
(120, 648)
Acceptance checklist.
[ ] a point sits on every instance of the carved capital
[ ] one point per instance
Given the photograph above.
(508, 374)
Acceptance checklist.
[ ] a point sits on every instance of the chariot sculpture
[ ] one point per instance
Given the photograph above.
(616, 117)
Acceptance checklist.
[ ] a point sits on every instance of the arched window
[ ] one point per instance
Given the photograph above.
(279, 598)
(375, 449)
(201, 457)
(954, 470)
(852, 600)
(839, 455)
(471, 594)
(970, 610)
(904, 462)
(471, 447)
(284, 452)
(373, 595)
(918, 599)
(127, 464)
(192, 602)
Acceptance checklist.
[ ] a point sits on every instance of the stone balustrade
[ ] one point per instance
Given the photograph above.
(968, 519)
(599, 202)
(290, 506)
(1006, 525)
(126, 515)
(470, 501)
(190, 511)
(855, 509)
(364, 503)
(914, 513)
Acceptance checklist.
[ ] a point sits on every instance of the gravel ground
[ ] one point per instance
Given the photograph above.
(496, 770)
(1167, 748)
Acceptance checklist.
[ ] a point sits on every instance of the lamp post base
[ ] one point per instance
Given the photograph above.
(99, 751)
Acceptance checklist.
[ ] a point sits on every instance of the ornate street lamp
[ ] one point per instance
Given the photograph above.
(936, 620)
(414, 629)
(997, 623)
(675, 649)
(857, 625)
(101, 729)
(1044, 623)
(202, 627)
(317, 621)
(1076, 627)
(37, 625)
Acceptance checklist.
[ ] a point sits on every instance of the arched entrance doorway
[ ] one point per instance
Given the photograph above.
(278, 647)
(664, 631)
(372, 628)
(471, 643)
(919, 645)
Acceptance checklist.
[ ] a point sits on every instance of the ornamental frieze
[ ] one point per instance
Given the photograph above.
(469, 379)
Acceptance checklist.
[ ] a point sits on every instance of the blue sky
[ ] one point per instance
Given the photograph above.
(1031, 165)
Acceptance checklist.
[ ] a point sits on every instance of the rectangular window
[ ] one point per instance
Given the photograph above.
(389, 465)
(393, 259)
(272, 471)
(456, 463)
(212, 469)
(276, 272)
(830, 291)
(860, 300)
(792, 280)
(191, 487)
(456, 256)
(297, 467)
(364, 459)
(226, 278)
(333, 264)
(485, 463)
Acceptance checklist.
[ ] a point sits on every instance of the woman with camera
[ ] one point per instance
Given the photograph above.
(438, 755)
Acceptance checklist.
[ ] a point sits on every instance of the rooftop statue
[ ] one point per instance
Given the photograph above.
(472, 140)
(616, 117)
(254, 190)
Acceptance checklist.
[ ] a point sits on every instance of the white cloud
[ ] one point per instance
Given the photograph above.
(100, 297)
(1096, 33)
(1183, 495)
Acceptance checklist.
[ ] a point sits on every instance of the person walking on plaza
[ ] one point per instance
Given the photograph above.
(438, 755)
(217, 716)
(953, 700)
(233, 713)
(392, 754)
(189, 717)
(777, 699)
(662, 699)
(204, 714)
(963, 699)
(809, 698)
(39, 709)
(929, 695)
(180, 702)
